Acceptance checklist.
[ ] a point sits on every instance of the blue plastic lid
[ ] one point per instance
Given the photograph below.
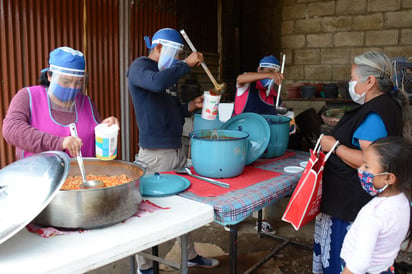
(258, 129)
(162, 184)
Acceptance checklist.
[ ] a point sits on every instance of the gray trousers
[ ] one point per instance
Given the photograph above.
(160, 160)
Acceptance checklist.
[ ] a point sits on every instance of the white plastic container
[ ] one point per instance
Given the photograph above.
(210, 106)
(106, 141)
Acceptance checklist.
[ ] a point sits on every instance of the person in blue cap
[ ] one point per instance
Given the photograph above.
(159, 114)
(39, 116)
(256, 91)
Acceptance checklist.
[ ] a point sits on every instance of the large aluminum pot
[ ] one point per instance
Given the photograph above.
(94, 208)
(218, 153)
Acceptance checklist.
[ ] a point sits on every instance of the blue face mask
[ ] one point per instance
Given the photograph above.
(65, 94)
(265, 82)
(366, 179)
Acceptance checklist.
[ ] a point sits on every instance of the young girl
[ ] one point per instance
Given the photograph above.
(374, 239)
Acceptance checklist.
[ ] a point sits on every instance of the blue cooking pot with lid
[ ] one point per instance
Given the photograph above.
(218, 153)
(279, 135)
(258, 129)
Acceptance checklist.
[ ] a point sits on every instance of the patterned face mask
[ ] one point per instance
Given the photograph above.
(366, 179)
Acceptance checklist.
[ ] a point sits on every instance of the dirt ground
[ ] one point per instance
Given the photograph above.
(213, 241)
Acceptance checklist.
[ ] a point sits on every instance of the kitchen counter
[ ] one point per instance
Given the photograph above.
(27, 252)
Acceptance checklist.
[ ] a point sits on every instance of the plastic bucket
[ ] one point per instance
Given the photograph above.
(199, 123)
(106, 141)
(279, 135)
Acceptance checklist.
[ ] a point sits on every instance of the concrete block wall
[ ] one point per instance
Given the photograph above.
(320, 38)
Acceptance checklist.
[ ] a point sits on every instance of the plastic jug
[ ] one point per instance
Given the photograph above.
(106, 141)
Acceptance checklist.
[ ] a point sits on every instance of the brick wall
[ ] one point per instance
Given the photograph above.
(321, 38)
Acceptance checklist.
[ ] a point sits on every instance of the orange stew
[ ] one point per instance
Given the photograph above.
(74, 182)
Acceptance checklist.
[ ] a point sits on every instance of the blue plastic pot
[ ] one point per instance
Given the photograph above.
(279, 136)
(200, 124)
(218, 153)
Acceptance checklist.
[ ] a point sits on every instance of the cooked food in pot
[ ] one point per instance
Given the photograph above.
(74, 182)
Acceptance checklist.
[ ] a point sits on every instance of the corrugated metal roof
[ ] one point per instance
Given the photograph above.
(29, 30)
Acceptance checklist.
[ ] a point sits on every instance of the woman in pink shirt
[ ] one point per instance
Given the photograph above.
(38, 117)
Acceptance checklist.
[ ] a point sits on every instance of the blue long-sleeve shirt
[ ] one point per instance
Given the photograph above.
(159, 113)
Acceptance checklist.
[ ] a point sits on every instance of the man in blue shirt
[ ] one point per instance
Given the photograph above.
(160, 115)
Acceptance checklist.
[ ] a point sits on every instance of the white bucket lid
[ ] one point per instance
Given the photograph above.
(104, 129)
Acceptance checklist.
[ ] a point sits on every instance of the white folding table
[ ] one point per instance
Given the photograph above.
(27, 252)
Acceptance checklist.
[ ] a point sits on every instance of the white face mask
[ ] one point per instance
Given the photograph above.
(360, 99)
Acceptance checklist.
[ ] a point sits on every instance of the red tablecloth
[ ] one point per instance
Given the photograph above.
(250, 175)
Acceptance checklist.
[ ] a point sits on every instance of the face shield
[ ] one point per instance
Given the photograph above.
(65, 89)
(169, 54)
(268, 64)
(267, 82)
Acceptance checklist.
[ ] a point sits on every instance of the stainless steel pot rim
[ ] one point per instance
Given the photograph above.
(91, 159)
(95, 208)
(97, 189)
(200, 134)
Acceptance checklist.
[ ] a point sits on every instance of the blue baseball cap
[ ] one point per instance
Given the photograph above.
(66, 60)
(269, 62)
(166, 36)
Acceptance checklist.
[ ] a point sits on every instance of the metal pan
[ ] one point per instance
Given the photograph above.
(94, 208)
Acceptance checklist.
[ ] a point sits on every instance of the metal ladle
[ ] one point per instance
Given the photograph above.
(86, 184)
(186, 170)
(280, 109)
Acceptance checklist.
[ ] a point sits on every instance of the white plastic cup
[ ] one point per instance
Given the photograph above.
(106, 141)
(210, 106)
